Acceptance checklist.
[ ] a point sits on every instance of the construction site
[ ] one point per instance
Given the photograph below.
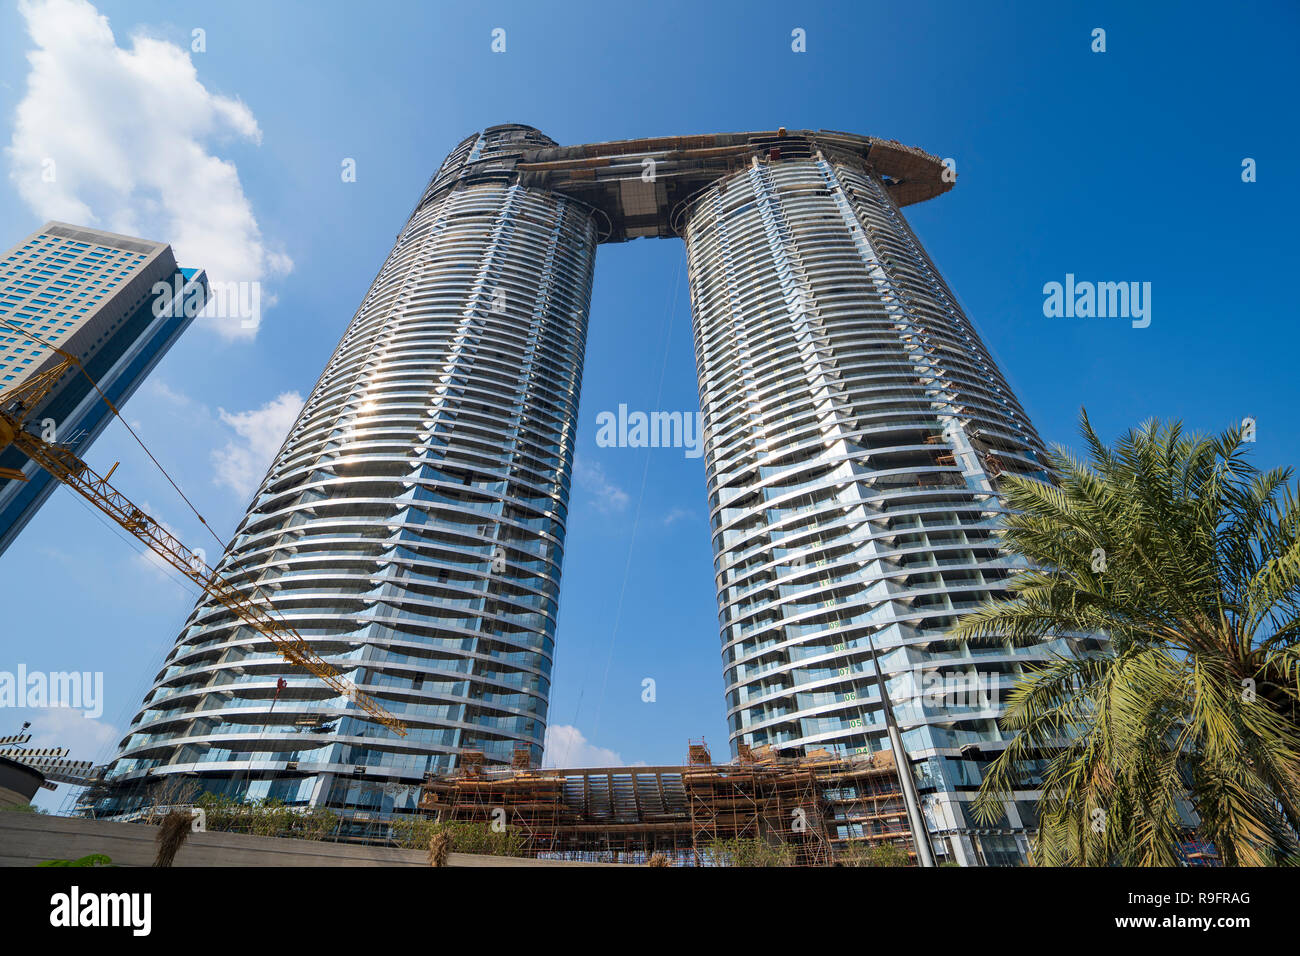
(817, 806)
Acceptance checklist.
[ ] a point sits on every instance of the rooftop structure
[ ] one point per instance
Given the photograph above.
(638, 188)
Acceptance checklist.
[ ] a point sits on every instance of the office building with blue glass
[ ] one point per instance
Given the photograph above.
(97, 296)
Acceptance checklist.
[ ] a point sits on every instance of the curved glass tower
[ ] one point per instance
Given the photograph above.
(857, 433)
(412, 525)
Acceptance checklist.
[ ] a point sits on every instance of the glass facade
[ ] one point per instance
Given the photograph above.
(857, 434)
(92, 294)
(412, 525)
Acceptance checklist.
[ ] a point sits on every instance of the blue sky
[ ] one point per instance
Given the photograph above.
(1115, 166)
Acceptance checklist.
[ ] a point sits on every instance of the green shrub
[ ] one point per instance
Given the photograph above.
(21, 808)
(93, 859)
(751, 851)
(266, 818)
(858, 853)
(414, 833)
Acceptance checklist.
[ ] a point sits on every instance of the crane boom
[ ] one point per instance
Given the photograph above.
(65, 466)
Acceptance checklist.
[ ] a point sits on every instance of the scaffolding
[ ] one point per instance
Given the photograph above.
(815, 804)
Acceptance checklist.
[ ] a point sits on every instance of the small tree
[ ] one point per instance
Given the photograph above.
(439, 848)
(1187, 558)
(172, 834)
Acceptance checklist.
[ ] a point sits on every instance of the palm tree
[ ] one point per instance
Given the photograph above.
(1187, 559)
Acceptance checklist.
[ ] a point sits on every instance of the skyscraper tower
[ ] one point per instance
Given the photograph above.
(412, 525)
(117, 304)
(858, 433)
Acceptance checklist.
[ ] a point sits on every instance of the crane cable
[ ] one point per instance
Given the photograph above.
(113, 408)
(246, 575)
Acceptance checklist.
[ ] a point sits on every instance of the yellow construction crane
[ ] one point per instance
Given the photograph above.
(253, 608)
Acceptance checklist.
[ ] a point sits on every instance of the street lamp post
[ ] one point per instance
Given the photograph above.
(903, 763)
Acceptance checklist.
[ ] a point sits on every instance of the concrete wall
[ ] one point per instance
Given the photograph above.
(29, 838)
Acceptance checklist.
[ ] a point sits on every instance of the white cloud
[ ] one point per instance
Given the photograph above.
(242, 463)
(675, 515)
(608, 497)
(127, 132)
(86, 739)
(566, 747)
(172, 411)
(169, 395)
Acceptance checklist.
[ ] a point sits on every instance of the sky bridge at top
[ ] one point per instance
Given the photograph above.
(641, 187)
